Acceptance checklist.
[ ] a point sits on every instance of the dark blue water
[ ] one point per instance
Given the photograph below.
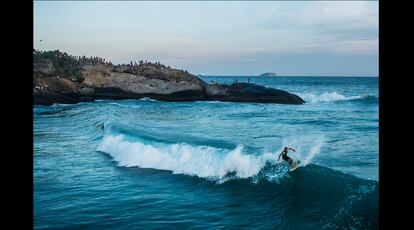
(144, 164)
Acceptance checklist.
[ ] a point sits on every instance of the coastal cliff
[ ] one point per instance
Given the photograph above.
(62, 78)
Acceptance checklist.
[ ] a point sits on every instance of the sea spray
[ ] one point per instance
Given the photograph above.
(306, 147)
(147, 99)
(332, 97)
(201, 161)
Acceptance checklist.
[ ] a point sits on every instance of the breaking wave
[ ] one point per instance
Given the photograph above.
(334, 97)
(202, 161)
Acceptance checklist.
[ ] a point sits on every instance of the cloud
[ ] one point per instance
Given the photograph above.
(208, 29)
(357, 46)
(331, 26)
(345, 14)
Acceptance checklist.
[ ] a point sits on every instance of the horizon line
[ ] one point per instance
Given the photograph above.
(234, 75)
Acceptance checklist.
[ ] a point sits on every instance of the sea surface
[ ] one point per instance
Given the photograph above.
(147, 164)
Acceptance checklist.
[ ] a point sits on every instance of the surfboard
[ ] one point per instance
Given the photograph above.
(294, 166)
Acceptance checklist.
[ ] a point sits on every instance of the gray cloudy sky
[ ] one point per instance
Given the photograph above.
(219, 38)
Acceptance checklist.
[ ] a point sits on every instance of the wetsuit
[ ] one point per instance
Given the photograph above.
(286, 158)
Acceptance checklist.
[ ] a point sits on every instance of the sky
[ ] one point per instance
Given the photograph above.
(289, 38)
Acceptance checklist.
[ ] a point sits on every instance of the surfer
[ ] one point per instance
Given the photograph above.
(284, 155)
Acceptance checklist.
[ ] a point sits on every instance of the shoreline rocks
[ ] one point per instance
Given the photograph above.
(248, 92)
(61, 78)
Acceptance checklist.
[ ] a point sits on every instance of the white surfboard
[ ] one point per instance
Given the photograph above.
(294, 165)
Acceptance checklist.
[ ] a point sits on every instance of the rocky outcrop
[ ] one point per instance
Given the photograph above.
(61, 78)
(102, 82)
(268, 74)
(247, 92)
(44, 67)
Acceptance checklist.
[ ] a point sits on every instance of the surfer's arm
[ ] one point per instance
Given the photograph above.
(292, 149)
(279, 156)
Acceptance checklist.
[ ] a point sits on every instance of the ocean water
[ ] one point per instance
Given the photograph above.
(146, 164)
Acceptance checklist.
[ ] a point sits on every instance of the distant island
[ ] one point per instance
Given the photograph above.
(62, 78)
(269, 74)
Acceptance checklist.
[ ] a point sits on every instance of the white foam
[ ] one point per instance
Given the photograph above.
(328, 97)
(147, 99)
(124, 105)
(307, 147)
(201, 161)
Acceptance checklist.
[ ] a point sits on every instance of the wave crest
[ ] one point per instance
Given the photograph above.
(201, 161)
(333, 97)
(147, 99)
